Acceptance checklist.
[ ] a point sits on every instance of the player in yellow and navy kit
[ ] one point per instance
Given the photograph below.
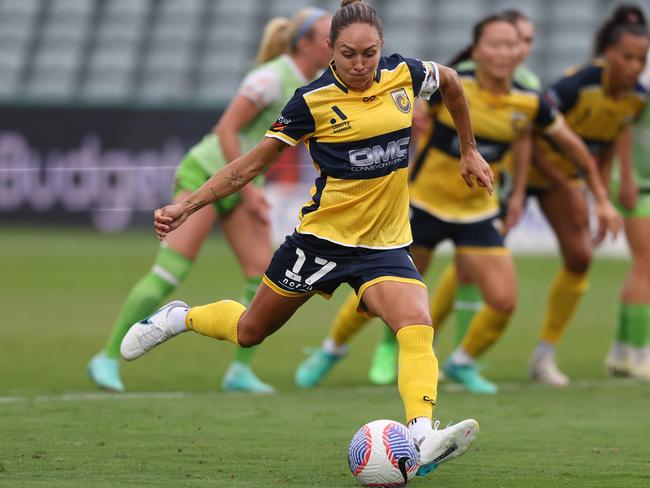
(442, 208)
(356, 123)
(599, 101)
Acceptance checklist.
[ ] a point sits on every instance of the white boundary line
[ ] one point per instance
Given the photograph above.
(366, 390)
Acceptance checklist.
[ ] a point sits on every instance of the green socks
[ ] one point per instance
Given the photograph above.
(468, 302)
(169, 270)
(245, 355)
(634, 325)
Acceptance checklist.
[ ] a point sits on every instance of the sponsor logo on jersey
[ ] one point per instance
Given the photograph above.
(339, 126)
(378, 157)
(401, 99)
(280, 124)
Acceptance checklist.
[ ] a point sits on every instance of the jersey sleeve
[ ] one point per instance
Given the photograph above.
(564, 93)
(262, 87)
(294, 123)
(547, 118)
(425, 76)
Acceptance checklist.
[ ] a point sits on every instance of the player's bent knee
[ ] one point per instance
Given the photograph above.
(414, 318)
(579, 264)
(247, 338)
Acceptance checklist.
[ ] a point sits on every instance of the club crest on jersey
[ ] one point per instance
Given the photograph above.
(519, 121)
(401, 99)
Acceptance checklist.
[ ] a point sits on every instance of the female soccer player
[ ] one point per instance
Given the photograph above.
(502, 115)
(599, 101)
(356, 122)
(290, 54)
(630, 352)
(463, 297)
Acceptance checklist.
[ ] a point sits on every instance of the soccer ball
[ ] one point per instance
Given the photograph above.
(383, 453)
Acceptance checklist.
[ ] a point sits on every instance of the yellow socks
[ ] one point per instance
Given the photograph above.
(444, 295)
(566, 292)
(347, 322)
(485, 330)
(417, 377)
(218, 320)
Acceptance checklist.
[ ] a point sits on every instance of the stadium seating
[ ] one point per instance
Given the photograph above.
(196, 51)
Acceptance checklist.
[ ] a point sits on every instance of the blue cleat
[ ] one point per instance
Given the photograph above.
(313, 370)
(469, 376)
(105, 372)
(240, 377)
(383, 370)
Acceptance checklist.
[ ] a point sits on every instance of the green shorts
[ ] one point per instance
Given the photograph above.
(642, 208)
(190, 175)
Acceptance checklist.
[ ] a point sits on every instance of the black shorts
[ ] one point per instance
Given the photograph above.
(304, 264)
(429, 231)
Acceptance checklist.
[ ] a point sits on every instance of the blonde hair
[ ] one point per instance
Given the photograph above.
(282, 34)
(274, 41)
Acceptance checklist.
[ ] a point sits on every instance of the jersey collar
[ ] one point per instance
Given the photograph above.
(338, 82)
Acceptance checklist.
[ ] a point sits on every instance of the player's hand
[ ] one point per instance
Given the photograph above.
(256, 204)
(472, 164)
(514, 212)
(168, 218)
(628, 194)
(608, 221)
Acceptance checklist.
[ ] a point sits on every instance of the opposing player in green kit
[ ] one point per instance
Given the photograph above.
(291, 53)
(630, 352)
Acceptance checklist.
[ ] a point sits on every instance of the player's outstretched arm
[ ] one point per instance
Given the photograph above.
(471, 161)
(576, 149)
(228, 180)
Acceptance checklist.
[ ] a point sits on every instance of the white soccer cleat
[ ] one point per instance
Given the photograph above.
(618, 362)
(542, 368)
(143, 336)
(617, 366)
(640, 370)
(442, 445)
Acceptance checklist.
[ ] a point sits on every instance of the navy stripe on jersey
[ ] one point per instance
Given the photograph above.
(320, 186)
(445, 139)
(595, 146)
(564, 93)
(363, 159)
(546, 112)
(296, 119)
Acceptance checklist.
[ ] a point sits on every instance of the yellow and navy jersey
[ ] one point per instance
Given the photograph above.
(497, 121)
(359, 143)
(591, 112)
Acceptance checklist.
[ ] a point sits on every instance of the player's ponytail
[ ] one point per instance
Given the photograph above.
(624, 14)
(354, 12)
(281, 35)
(275, 40)
(477, 33)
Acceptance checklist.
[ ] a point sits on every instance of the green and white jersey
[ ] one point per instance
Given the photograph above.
(269, 86)
(522, 75)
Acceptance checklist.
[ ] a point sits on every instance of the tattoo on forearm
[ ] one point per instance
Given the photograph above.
(194, 206)
(214, 194)
(236, 180)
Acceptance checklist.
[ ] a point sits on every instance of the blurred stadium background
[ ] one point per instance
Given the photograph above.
(99, 99)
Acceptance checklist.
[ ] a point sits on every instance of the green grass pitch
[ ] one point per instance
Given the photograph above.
(60, 291)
